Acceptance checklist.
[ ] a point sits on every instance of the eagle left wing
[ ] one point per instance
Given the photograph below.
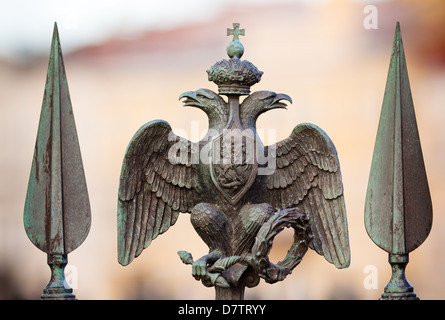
(155, 186)
(308, 177)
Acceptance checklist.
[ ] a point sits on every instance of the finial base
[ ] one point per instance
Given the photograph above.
(57, 289)
(398, 287)
(399, 296)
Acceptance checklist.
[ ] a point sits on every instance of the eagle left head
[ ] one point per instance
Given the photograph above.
(211, 103)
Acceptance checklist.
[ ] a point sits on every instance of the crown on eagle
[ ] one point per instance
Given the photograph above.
(234, 76)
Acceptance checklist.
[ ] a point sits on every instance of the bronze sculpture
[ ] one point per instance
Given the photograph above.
(240, 193)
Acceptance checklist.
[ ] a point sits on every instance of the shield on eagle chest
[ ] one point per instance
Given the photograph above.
(233, 163)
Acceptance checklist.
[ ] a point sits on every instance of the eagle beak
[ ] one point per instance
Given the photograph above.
(191, 99)
(276, 103)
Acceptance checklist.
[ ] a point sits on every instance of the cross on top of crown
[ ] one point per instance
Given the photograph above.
(236, 32)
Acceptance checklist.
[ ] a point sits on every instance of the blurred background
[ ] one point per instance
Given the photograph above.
(127, 62)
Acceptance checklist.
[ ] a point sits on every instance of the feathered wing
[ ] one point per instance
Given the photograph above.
(153, 189)
(308, 177)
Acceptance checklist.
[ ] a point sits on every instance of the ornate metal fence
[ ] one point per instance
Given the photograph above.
(235, 210)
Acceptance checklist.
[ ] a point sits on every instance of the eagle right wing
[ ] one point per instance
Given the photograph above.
(157, 182)
(307, 177)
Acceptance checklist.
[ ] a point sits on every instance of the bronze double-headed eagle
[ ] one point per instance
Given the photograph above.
(240, 193)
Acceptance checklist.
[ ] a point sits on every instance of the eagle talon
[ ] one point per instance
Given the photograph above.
(199, 267)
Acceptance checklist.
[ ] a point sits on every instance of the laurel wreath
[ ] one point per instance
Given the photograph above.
(300, 222)
(259, 256)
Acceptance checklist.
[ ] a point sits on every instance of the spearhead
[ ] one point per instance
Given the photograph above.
(57, 214)
(398, 209)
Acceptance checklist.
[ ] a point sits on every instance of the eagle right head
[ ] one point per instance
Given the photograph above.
(258, 103)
